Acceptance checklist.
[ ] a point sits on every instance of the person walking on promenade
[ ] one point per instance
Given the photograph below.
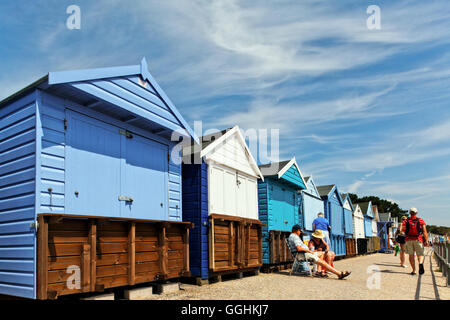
(320, 223)
(416, 238)
(400, 239)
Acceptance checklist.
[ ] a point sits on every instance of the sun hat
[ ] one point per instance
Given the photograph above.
(318, 234)
(404, 217)
(414, 210)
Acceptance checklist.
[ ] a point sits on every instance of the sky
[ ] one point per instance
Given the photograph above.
(365, 109)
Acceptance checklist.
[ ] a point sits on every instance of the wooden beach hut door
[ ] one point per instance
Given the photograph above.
(114, 173)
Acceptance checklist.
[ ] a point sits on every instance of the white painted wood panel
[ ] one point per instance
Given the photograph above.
(227, 196)
(232, 154)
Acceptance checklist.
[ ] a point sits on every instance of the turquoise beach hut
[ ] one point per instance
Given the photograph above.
(278, 200)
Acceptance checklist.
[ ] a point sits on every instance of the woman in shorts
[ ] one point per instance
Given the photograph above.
(400, 238)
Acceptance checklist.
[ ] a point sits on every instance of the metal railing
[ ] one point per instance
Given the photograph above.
(442, 253)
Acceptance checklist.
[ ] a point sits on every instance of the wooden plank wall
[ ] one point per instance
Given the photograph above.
(350, 247)
(88, 255)
(235, 244)
(279, 252)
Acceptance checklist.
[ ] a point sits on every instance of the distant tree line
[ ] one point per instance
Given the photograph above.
(382, 204)
(392, 207)
(440, 230)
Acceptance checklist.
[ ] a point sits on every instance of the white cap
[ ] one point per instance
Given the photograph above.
(413, 210)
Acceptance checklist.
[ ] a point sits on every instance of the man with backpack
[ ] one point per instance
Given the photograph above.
(416, 238)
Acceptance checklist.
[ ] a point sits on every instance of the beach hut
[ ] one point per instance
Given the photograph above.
(88, 190)
(220, 196)
(384, 227)
(334, 212)
(373, 241)
(376, 219)
(279, 208)
(350, 241)
(310, 205)
(358, 230)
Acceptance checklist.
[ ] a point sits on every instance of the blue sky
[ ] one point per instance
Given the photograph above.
(367, 110)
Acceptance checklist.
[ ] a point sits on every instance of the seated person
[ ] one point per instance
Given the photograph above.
(317, 244)
(304, 254)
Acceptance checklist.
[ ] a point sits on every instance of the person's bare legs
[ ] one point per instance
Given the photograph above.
(320, 254)
(327, 267)
(402, 255)
(412, 262)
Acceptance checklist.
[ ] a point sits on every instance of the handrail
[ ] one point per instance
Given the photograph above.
(442, 253)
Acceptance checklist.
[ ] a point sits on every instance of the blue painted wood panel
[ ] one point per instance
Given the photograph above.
(292, 175)
(144, 177)
(17, 197)
(93, 167)
(278, 209)
(368, 226)
(338, 245)
(348, 220)
(195, 209)
(310, 207)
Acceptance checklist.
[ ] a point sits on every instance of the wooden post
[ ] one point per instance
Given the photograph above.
(272, 247)
(212, 264)
(164, 253)
(186, 251)
(93, 244)
(247, 262)
(260, 244)
(42, 260)
(231, 245)
(86, 268)
(132, 253)
(278, 247)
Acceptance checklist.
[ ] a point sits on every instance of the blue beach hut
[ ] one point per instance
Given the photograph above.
(334, 212)
(220, 196)
(310, 205)
(278, 198)
(348, 215)
(77, 149)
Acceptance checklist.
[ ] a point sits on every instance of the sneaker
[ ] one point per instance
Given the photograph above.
(421, 269)
(403, 266)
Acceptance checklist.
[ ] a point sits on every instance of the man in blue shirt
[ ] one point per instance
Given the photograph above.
(320, 223)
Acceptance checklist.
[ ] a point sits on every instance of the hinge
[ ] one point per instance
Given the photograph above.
(34, 225)
(65, 124)
(126, 133)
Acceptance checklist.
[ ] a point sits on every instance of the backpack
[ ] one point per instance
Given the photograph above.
(413, 227)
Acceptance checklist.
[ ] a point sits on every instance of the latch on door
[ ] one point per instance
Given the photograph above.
(126, 133)
(126, 199)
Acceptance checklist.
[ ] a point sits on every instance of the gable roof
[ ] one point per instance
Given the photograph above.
(211, 141)
(77, 80)
(326, 191)
(311, 188)
(280, 168)
(365, 207)
(346, 197)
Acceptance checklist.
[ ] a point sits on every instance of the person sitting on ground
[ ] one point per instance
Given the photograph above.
(304, 254)
(318, 245)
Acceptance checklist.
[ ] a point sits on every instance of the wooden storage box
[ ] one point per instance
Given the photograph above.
(91, 254)
(234, 243)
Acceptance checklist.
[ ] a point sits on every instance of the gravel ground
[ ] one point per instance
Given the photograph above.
(395, 283)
